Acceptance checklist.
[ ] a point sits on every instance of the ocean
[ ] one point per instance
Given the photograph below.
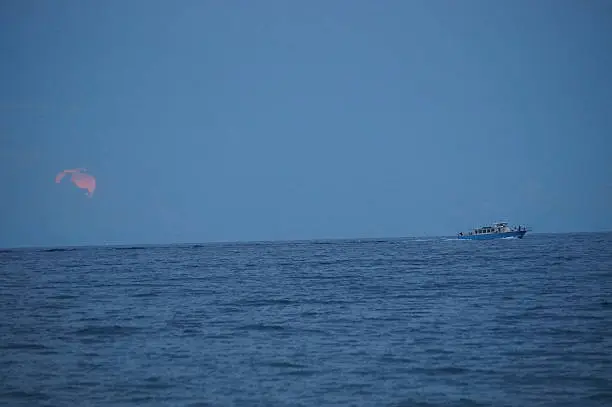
(378, 322)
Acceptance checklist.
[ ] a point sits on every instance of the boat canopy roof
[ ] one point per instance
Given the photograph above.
(493, 226)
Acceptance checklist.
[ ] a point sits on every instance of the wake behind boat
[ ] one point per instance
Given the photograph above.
(498, 230)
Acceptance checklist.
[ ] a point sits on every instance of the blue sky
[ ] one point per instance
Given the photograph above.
(241, 120)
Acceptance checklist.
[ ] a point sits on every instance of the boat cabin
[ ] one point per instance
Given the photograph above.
(498, 227)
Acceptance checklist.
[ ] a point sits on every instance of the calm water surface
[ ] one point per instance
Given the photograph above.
(408, 322)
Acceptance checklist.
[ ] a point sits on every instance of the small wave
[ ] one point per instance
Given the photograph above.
(300, 372)
(76, 265)
(145, 294)
(318, 262)
(285, 364)
(261, 327)
(413, 403)
(112, 330)
(324, 302)
(59, 249)
(63, 297)
(22, 346)
(396, 359)
(28, 395)
(155, 383)
(321, 243)
(184, 324)
(451, 370)
(606, 397)
(262, 303)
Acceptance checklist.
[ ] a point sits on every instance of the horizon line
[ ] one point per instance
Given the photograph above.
(218, 242)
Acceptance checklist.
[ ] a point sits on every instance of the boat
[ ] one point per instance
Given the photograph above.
(498, 230)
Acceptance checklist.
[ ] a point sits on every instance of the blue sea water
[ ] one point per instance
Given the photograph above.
(397, 322)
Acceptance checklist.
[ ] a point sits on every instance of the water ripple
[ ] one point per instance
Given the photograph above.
(379, 322)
